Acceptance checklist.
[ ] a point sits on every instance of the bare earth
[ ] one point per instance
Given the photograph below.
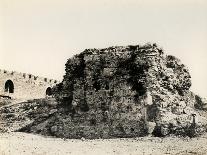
(26, 144)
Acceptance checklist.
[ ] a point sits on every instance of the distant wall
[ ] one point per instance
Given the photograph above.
(24, 86)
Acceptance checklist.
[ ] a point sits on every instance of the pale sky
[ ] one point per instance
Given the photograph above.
(38, 36)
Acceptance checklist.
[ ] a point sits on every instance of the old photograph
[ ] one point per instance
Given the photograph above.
(107, 77)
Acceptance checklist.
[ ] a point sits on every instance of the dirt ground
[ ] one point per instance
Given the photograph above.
(26, 144)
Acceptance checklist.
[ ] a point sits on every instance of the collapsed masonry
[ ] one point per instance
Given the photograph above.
(124, 92)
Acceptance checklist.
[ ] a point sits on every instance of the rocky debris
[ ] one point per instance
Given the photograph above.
(20, 115)
(5, 101)
(201, 103)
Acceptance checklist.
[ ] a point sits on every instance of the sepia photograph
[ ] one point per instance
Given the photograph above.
(103, 77)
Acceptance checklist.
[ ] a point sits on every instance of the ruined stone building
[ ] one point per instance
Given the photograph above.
(122, 91)
(24, 86)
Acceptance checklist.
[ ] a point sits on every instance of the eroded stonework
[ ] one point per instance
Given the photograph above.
(24, 86)
(126, 91)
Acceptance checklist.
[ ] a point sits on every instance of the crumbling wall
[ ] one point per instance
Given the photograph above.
(25, 86)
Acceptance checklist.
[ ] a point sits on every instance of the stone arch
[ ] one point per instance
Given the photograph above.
(49, 91)
(9, 86)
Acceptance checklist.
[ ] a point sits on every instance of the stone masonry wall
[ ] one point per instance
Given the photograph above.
(25, 86)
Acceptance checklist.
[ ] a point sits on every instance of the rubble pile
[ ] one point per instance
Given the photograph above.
(19, 116)
(4, 101)
(124, 92)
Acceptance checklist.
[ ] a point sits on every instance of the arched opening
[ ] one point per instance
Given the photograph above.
(49, 91)
(9, 86)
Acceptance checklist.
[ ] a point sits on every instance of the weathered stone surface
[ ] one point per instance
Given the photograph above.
(27, 116)
(151, 127)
